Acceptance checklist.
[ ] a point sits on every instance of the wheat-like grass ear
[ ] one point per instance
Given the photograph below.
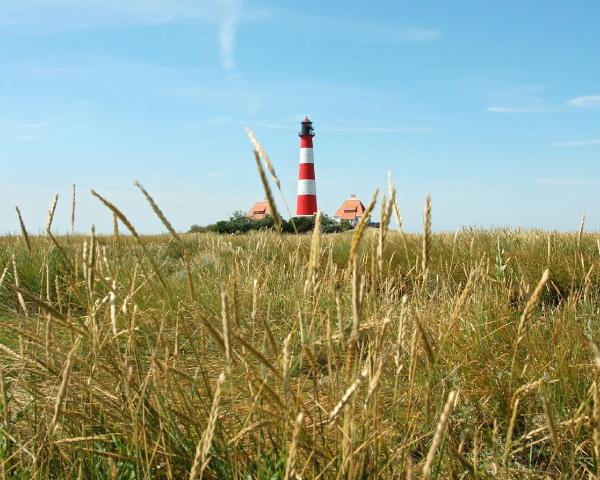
(439, 432)
(24, 233)
(426, 248)
(359, 231)
(73, 204)
(268, 192)
(156, 209)
(51, 212)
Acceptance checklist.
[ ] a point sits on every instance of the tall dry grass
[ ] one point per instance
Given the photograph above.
(359, 355)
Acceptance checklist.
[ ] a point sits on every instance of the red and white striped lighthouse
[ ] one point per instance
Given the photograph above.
(306, 203)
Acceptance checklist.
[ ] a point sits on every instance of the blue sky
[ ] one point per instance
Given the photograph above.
(493, 107)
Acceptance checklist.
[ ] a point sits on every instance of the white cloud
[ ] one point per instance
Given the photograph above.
(585, 101)
(505, 109)
(578, 143)
(420, 34)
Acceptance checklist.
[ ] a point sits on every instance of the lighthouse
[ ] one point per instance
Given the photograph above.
(306, 204)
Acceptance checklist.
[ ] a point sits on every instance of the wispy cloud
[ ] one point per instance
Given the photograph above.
(577, 143)
(367, 129)
(420, 34)
(562, 181)
(585, 101)
(350, 128)
(227, 31)
(60, 15)
(512, 109)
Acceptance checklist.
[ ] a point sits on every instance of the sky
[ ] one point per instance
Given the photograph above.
(492, 107)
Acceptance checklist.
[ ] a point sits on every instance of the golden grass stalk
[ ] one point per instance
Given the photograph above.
(51, 212)
(286, 361)
(550, 424)
(263, 154)
(113, 307)
(374, 383)
(315, 250)
(596, 424)
(439, 433)
(580, 232)
(509, 432)
(347, 395)
(290, 471)
(22, 303)
(528, 312)
(430, 355)
(4, 272)
(359, 231)
(225, 322)
(246, 430)
(394, 203)
(426, 248)
(268, 192)
(159, 213)
(73, 204)
(62, 391)
(125, 221)
(4, 399)
(163, 218)
(24, 233)
(386, 216)
(115, 236)
(202, 457)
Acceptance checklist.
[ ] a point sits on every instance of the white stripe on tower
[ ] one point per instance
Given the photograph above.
(306, 155)
(307, 187)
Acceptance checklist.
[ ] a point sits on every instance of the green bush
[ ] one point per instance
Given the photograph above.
(239, 223)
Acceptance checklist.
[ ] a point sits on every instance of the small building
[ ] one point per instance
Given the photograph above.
(259, 211)
(351, 210)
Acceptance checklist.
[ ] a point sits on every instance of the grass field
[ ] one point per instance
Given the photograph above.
(358, 355)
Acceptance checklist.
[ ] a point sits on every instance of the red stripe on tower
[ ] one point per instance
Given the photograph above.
(306, 204)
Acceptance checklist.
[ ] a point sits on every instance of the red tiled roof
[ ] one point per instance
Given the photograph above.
(350, 209)
(259, 211)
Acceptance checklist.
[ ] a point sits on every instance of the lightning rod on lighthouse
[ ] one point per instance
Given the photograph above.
(306, 204)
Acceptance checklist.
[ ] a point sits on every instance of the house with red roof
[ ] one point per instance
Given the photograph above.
(351, 210)
(259, 211)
